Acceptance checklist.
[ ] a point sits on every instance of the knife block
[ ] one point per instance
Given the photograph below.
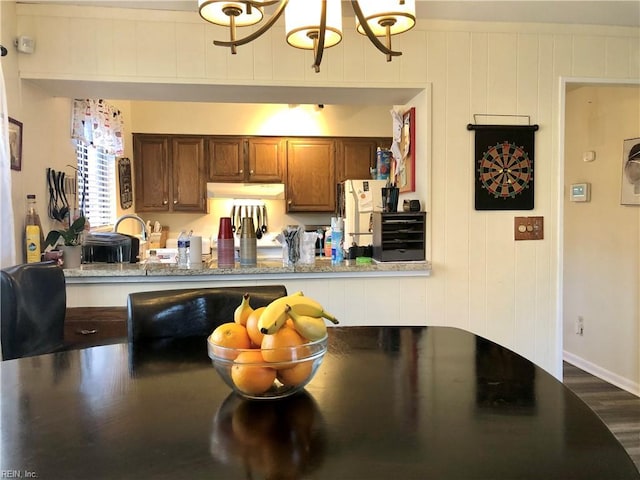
(159, 239)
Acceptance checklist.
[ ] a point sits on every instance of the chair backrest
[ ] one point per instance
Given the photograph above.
(192, 312)
(32, 312)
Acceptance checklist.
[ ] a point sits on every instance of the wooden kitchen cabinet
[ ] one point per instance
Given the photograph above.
(310, 177)
(170, 173)
(354, 157)
(151, 171)
(253, 160)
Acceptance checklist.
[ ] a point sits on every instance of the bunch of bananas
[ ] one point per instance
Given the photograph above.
(306, 314)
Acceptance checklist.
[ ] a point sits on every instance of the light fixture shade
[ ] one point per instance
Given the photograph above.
(302, 23)
(382, 13)
(220, 12)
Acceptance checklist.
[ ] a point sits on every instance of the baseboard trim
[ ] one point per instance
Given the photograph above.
(602, 373)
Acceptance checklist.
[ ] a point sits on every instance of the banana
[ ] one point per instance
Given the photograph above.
(308, 307)
(274, 317)
(311, 328)
(243, 310)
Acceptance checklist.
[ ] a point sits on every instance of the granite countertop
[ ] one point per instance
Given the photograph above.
(321, 266)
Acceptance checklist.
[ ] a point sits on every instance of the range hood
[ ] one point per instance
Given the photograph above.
(261, 191)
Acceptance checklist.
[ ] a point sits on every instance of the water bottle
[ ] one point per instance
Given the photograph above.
(337, 253)
(183, 249)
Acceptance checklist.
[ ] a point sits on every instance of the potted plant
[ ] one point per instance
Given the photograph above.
(71, 237)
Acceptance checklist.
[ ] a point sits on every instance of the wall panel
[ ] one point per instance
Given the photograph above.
(482, 280)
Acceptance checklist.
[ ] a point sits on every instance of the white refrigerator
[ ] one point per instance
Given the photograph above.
(357, 200)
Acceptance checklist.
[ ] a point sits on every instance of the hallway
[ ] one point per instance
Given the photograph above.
(618, 409)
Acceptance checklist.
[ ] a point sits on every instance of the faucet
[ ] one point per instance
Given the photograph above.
(145, 234)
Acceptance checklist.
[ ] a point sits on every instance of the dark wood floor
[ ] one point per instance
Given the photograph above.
(618, 409)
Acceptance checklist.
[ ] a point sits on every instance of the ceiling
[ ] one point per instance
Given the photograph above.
(609, 12)
(619, 13)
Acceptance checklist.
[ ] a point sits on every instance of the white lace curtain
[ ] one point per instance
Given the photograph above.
(7, 246)
(97, 123)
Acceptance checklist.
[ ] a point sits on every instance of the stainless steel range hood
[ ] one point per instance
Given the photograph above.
(261, 191)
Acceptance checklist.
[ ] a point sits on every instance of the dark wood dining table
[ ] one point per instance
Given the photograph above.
(387, 403)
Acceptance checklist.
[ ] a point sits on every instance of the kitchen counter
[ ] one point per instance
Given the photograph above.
(322, 267)
(357, 294)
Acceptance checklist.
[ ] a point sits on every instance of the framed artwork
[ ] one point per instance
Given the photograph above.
(504, 165)
(405, 177)
(630, 187)
(15, 144)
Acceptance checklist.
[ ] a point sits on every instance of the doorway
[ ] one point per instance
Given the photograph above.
(600, 238)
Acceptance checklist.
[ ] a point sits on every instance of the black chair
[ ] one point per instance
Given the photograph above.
(32, 312)
(196, 312)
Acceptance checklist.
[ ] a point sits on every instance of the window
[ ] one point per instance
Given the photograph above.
(96, 184)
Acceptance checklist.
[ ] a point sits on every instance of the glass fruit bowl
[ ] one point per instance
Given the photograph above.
(268, 373)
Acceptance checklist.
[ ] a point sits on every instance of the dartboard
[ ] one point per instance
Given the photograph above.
(505, 170)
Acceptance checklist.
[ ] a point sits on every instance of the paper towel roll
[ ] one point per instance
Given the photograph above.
(195, 250)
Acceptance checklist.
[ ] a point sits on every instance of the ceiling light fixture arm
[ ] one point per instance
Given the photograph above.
(233, 43)
(386, 49)
(318, 40)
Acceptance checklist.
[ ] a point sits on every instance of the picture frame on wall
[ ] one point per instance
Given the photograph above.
(15, 143)
(630, 185)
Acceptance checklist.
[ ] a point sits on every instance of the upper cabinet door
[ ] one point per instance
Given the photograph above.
(225, 157)
(265, 160)
(311, 185)
(188, 174)
(355, 156)
(151, 170)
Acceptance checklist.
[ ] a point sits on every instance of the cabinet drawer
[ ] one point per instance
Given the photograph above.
(399, 255)
(399, 236)
(89, 326)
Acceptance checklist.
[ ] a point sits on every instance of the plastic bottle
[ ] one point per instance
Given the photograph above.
(183, 249)
(152, 258)
(34, 238)
(327, 242)
(337, 254)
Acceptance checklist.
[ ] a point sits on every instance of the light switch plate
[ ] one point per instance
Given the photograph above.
(529, 228)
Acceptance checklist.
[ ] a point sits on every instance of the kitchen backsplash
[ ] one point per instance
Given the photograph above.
(207, 225)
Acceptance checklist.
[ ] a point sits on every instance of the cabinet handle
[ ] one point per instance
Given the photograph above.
(250, 172)
(175, 202)
(85, 331)
(164, 202)
(242, 170)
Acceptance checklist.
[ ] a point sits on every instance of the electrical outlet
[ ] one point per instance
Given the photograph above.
(580, 326)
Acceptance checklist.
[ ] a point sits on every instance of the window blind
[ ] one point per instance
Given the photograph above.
(96, 184)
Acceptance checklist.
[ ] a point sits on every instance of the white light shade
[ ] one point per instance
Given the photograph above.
(214, 11)
(379, 13)
(302, 21)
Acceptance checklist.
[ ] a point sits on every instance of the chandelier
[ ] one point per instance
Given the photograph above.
(312, 24)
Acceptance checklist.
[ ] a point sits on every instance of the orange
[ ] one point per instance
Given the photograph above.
(252, 327)
(296, 375)
(230, 335)
(252, 379)
(283, 340)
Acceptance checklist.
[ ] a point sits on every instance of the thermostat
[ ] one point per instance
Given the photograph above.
(581, 192)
